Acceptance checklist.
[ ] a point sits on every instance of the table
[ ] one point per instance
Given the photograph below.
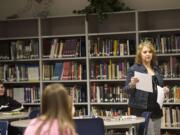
(129, 123)
(20, 123)
(13, 115)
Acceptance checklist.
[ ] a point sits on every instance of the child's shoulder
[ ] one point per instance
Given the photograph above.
(35, 121)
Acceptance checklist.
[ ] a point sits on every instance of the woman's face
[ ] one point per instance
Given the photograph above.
(146, 55)
(1, 89)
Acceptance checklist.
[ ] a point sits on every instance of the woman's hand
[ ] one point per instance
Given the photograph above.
(133, 82)
(166, 90)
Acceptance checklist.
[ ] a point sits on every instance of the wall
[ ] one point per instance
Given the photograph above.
(65, 7)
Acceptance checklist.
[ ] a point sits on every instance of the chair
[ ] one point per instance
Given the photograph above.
(90, 126)
(34, 113)
(3, 127)
(143, 127)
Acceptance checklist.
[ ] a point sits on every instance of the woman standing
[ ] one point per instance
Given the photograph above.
(141, 101)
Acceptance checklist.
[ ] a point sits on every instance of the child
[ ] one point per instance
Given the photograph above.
(56, 113)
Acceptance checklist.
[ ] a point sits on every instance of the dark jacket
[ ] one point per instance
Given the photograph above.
(8, 101)
(137, 98)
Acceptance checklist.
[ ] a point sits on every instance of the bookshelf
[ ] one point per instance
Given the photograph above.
(64, 53)
(20, 59)
(89, 58)
(109, 58)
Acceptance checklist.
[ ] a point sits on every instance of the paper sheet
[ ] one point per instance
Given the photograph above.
(145, 82)
(160, 96)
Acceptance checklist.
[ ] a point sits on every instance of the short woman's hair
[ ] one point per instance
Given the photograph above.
(148, 44)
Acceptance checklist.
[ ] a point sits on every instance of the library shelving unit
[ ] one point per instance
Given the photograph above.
(19, 59)
(110, 56)
(90, 58)
(64, 56)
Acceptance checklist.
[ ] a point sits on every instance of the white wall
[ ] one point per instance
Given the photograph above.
(152, 4)
(65, 7)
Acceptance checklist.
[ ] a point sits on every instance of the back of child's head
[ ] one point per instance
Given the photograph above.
(56, 102)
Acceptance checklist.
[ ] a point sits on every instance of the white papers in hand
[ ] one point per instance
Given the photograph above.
(145, 82)
(160, 96)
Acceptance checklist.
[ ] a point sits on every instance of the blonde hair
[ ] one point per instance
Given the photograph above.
(148, 44)
(57, 104)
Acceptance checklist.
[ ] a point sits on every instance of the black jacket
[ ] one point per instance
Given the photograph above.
(8, 101)
(137, 98)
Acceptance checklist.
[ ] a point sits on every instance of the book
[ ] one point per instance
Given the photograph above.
(18, 94)
(66, 75)
(57, 71)
(33, 73)
(47, 71)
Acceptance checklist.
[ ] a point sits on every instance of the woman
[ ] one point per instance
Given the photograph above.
(141, 101)
(56, 113)
(7, 103)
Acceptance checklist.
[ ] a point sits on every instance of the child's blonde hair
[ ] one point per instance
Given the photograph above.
(57, 104)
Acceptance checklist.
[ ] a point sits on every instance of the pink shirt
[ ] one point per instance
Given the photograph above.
(34, 124)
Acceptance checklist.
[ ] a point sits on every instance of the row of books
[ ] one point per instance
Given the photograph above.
(68, 70)
(96, 111)
(19, 49)
(173, 96)
(107, 93)
(165, 44)
(170, 69)
(101, 93)
(57, 48)
(171, 117)
(111, 47)
(80, 111)
(19, 72)
(64, 48)
(118, 70)
(24, 94)
(109, 70)
(78, 93)
(71, 70)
